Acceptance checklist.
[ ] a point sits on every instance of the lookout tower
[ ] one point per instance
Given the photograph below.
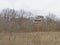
(38, 24)
(39, 19)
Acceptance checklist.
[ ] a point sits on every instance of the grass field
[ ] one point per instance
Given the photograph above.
(31, 38)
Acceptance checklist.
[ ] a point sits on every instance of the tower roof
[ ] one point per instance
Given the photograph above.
(39, 18)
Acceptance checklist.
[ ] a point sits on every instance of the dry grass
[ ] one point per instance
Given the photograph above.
(32, 38)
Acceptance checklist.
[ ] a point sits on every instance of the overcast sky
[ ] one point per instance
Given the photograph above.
(39, 6)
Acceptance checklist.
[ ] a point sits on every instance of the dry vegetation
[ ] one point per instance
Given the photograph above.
(17, 28)
(35, 38)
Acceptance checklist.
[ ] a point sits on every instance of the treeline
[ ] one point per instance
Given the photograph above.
(15, 21)
(52, 23)
(23, 21)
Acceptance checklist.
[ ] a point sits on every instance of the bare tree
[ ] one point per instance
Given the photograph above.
(51, 22)
(9, 14)
(51, 17)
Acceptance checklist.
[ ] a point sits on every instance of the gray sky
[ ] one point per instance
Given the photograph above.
(40, 6)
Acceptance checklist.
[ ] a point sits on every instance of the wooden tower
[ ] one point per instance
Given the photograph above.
(38, 24)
